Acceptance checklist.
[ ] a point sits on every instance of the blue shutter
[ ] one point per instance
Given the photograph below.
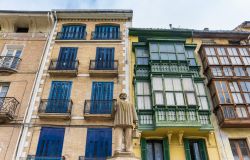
(67, 58)
(107, 32)
(73, 32)
(104, 58)
(50, 142)
(59, 97)
(98, 143)
(101, 97)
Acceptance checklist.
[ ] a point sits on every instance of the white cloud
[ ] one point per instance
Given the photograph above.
(198, 14)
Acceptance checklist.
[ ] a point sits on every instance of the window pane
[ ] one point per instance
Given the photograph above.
(158, 151)
(150, 153)
(146, 88)
(139, 86)
(170, 98)
(168, 84)
(234, 150)
(181, 56)
(204, 103)
(167, 47)
(179, 98)
(164, 56)
(155, 56)
(243, 51)
(179, 48)
(191, 99)
(248, 71)
(171, 56)
(232, 51)
(153, 47)
(200, 89)
(157, 83)
(216, 71)
(221, 51)
(190, 53)
(177, 84)
(140, 104)
(210, 51)
(147, 101)
(187, 84)
(159, 98)
(227, 71)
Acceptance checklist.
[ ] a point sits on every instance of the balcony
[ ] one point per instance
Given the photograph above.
(31, 157)
(63, 68)
(174, 117)
(85, 158)
(24, 36)
(8, 107)
(9, 64)
(103, 68)
(228, 118)
(55, 109)
(106, 35)
(71, 35)
(98, 109)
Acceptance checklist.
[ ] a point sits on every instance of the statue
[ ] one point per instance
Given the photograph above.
(125, 121)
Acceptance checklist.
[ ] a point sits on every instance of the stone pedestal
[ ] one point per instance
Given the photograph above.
(123, 156)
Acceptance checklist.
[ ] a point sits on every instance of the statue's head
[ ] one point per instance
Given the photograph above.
(123, 96)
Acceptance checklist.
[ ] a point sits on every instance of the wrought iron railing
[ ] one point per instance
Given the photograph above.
(63, 65)
(63, 106)
(86, 158)
(32, 157)
(8, 106)
(106, 35)
(9, 62)
(71, 35)
(98, 106)
(103, 65)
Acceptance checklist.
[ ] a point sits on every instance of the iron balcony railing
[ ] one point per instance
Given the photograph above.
(9, 62)
(8, 106)
(63, 65)
(103, 65)
(32, 157)
(106, 35)
(99, 106)
(63, 106)
(71, 35)
(86, 158)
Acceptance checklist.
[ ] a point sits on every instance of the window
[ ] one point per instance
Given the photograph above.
(239, 71)
(4, 87)
(67, 58)
(195, 149)
(229, 112)
(223, 92)
(143, 95)
(211, 56)
(241, 112)
(98, 143)
(142, 56)
(248, 71)
(50, 142)
(22, 30)
(101, 98)
(216, 71)
(190, 56)
(227, 71)
(245, 87)
(245, 56)
(104, 59)
(74, 32)
(235, 92)
(234, 57)
(240, 149)
(174, 94)
(223, 56)
(167, 51)
(155, 149)
(106, 32)
(59, 97)
(188, 88)
(11, 56)
(202, 98)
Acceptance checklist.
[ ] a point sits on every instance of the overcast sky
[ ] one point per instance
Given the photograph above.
(197, 14)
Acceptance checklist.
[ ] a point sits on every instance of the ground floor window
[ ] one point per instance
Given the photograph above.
(240, 149)
(155, 149)
(195, 149)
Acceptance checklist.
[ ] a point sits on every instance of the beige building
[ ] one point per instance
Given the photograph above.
(23, 39)
(85, 69)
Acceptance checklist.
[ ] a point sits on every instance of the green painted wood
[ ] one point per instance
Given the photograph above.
(166, 149)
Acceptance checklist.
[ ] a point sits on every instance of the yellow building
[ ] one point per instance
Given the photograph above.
(171, 99)
(85, 70)
(23, 39)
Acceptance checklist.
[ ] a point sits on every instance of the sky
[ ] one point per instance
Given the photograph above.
(195, 14)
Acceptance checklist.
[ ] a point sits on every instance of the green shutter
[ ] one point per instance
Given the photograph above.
(202, 146)
(166, 149)
(187, 149)
(143, 149)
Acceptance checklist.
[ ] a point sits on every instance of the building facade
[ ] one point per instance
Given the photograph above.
(23, 39)
(85, 70)
(226, 60)
(170, 97)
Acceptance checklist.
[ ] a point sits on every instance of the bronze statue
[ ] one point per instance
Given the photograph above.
(125, 120)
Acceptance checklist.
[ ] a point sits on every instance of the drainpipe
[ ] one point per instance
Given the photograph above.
(28, 113)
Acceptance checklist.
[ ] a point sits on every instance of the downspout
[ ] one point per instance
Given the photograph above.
(28, 113)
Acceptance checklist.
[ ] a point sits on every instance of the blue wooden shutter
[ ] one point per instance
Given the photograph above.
(101, 97)
(59, 97)
(67, 58)
(104, 58)
(50, 142)
(98, 143)
(73, 32)
(187, 149)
